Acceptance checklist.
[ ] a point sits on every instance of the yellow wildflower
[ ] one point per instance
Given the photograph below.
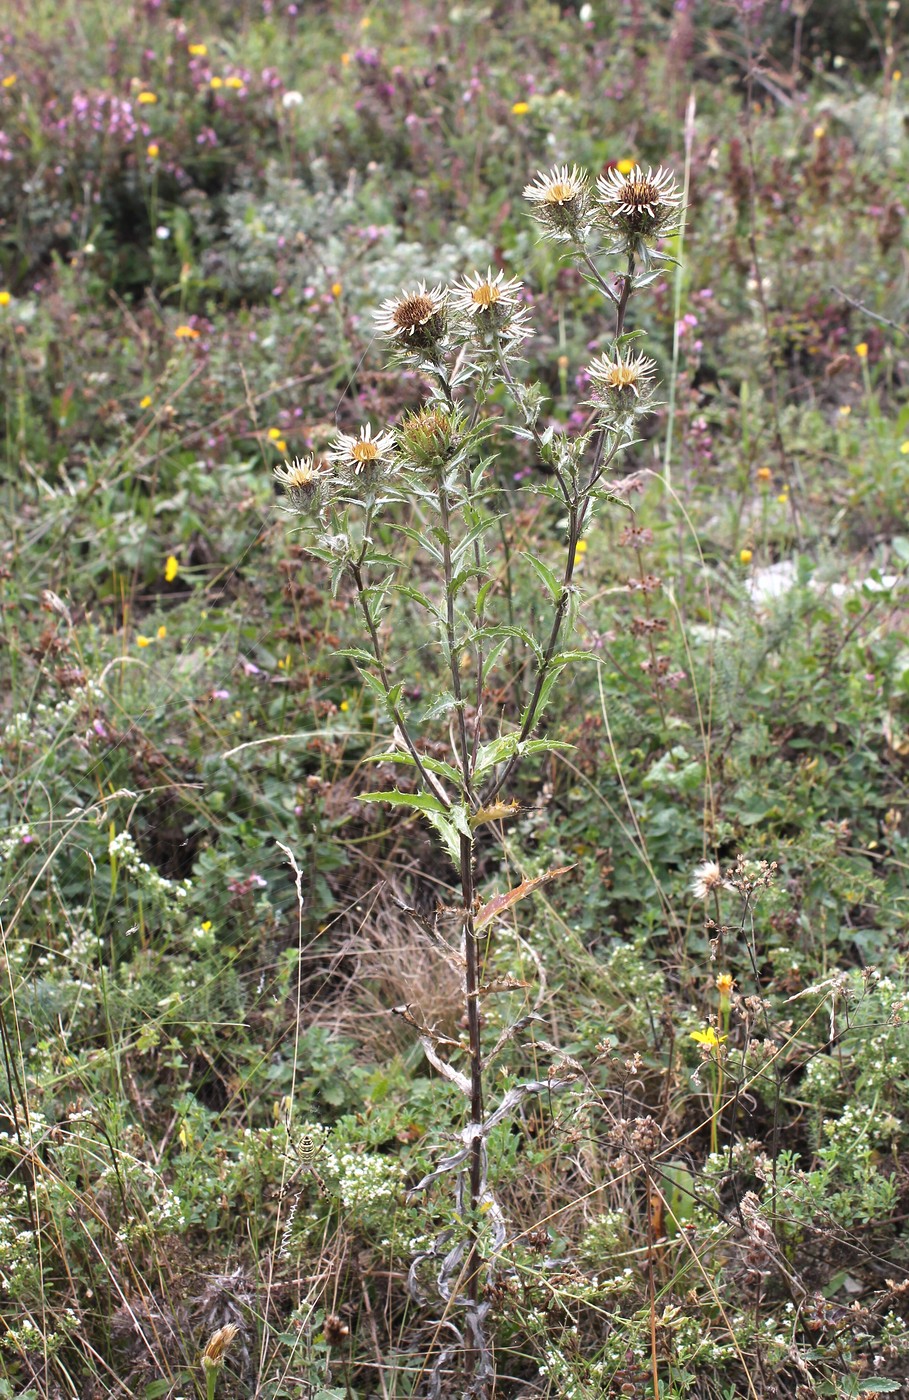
(745, 556)
(345, 59)
(162, 632)
(153, 150)
(171, 568)
(336, 289)
(143, 641)
(216, 82)
(904, 446)
(146, 98)
(862, 350)
(233, 81)
(281, 446)
(5, 298)
(206, 925)
(626, 166)
(708, 1037)
(11, 79)
(819, 132)
(274, 434)
(764, 474)
(197, 50)
(145, 402)
(365, 22)
(897, 75)
(845, 410)
(186, 333)
(520, 109)
(725, 984)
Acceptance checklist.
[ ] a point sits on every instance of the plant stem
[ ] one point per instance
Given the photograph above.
(431, 783)
(472, 994)
(453, 660)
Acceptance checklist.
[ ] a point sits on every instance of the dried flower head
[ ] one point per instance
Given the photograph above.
(705, 878)
(335, 1330)
(302, 480)
(562, 198)
(416, 320)
(725, 983)
(363, 455)
(638, 208)
(490, 303)
(218, 1342)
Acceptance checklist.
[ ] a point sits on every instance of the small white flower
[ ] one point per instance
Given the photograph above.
(291, 99)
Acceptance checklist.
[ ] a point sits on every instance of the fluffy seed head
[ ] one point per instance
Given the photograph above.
(705, 878)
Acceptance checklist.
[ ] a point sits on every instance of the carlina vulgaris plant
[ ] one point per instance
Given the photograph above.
(431, 484)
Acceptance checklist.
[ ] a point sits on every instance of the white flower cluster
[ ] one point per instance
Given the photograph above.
(364, 1178)
(17, 1255)
(18, 837)
(122, 848)
(43, 722)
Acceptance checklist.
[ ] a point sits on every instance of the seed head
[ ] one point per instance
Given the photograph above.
(705, 878)
(218, 1342)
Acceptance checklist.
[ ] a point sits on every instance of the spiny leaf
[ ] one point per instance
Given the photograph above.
(500, 902)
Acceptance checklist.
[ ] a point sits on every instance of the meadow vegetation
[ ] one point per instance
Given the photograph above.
(454, 875)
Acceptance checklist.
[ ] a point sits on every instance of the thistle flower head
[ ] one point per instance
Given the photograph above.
(623, 386)
(415, 320)
(363, 455)
(428, 438)
(302, 480)
(562, 198)
(638, 206)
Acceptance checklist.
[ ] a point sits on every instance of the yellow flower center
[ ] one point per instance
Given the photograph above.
(486, 296)
(364, 451)
(560, 193)
(622, 376)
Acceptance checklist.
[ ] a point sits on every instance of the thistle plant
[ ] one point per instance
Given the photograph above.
(408, 521)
